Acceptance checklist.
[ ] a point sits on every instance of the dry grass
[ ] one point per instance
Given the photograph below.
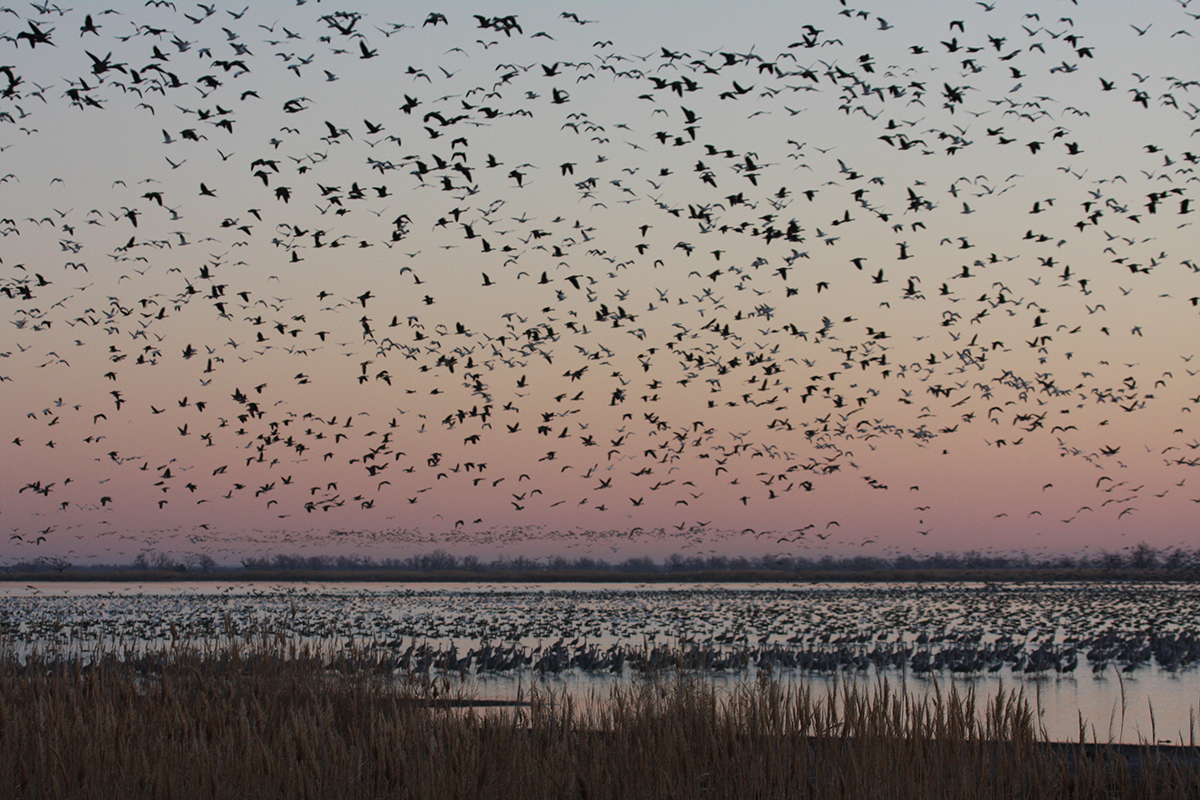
(273, 718)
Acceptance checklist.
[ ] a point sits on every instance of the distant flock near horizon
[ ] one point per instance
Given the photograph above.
(1013, 629)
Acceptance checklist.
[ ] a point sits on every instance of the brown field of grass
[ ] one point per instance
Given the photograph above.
(269, 717)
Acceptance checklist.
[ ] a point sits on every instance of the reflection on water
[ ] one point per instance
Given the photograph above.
(1155, 706)
(1118, 659)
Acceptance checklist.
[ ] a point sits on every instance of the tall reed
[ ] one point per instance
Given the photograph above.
(271, 717)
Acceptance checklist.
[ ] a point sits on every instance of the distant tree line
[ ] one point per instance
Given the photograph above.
(1141, 557)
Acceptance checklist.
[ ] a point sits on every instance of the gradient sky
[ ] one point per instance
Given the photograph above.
(632, 280)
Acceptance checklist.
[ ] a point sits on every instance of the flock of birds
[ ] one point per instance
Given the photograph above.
(466, 278)
(960, 629)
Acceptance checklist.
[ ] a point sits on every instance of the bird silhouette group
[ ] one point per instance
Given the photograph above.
(288, 274)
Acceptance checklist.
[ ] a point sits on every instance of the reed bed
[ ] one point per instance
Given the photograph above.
(269, 717)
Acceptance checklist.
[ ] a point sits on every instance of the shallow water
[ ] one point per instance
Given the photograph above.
(1124, 702)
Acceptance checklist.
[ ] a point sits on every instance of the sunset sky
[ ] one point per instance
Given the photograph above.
(632, 279)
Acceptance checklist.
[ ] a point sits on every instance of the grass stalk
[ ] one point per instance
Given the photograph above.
(261, 715)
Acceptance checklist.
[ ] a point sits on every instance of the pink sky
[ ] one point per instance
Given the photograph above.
(929, 280)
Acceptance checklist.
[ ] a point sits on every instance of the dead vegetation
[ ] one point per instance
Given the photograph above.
(270, 717)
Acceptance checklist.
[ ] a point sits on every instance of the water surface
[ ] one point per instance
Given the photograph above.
(1104, 677)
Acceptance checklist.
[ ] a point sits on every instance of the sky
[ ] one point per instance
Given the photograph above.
(623, 280)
